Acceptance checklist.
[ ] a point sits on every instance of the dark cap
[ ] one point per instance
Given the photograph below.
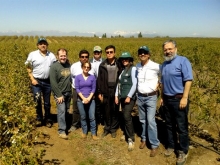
(41, 39)
(145, 48)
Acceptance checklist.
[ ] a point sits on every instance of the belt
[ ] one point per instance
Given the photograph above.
(47, 79)
(147, 94)
(179, 96)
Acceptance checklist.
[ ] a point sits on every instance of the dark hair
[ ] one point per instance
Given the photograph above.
(109, 47)
(63, 50)
(83, 64)
(83, 52)
(169, 41)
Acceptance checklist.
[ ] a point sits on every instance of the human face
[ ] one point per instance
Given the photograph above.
(144, 56)
(42, 46)
(125, 61)
(97, 55)
(169, 51)
(110, 53)
(84, 57)
(86, 68)
(62, 57)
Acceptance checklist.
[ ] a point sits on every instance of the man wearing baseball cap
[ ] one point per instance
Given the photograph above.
(38, 65)
(147, 75)
(96, 61)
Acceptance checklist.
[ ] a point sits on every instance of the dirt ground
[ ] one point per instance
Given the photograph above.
(112, 151)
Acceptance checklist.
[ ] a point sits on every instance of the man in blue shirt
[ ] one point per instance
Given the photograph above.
(176, 80)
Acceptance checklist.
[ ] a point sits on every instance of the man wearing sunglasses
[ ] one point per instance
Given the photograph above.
(75, 70)
(109, 71)
(38, 65)
(147, 75)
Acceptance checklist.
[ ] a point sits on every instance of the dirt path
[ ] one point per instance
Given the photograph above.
(109, 151)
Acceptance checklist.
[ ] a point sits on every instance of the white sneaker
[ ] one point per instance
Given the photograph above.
(63, 136)
(130, 144)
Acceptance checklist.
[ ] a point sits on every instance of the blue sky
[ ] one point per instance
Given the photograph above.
(176, 18)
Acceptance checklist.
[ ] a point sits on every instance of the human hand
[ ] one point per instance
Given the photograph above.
(34, 82)
(127, 100)
(60, 100)
(183, 102)
(116, 100)
(100, 97)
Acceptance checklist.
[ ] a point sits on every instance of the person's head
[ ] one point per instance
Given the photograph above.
(169, 49)
(144, 53)
(42, 44)
(86, 66)
(62, 55)
(83, 56)
(110, 52)
(97, 51)
(126, 59)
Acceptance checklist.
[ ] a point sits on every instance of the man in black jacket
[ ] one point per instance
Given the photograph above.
(109, 71)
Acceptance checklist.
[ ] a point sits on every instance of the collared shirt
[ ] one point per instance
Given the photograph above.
(95, 66)
(75, 70)
(40, 64)
(174, 73)
(147, 76)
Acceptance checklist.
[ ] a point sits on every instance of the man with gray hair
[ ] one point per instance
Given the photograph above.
(176, 80)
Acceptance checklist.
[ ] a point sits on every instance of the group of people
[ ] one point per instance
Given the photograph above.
(99, 87)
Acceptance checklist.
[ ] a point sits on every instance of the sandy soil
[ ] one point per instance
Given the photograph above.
(111, 151)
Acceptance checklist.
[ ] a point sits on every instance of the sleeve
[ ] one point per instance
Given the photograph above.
(28, 62)
(134, 82)
(54, 81)
(77, 81)
(187, 70)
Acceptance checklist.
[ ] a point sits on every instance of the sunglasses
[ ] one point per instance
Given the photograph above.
(109, 52)
(97, 52)
(142, 52)
(125, 59)
(86, 67)
(84, 56)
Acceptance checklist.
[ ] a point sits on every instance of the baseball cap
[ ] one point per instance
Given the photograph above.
(126, 55)
(97, 48)
(145, 48)
(41, 39)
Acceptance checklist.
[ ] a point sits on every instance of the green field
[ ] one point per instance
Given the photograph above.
(16, 115)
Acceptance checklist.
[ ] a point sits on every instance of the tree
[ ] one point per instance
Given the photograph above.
(140, 35)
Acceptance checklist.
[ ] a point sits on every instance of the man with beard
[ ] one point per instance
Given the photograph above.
(38, 65)
(61, 87)
(176, 80)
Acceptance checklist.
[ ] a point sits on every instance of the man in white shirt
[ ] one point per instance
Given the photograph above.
(38, 65)
(96, 61)
(147, 75)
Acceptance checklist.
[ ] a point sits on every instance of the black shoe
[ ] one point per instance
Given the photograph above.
(104, 134)
(113, 134)
(49, 123)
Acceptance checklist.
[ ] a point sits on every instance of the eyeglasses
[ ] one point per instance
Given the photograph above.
(42, 43)
(109, 52)
(86, 67)
(84, 56)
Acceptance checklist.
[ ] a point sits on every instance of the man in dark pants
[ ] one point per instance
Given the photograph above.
(96, 61)
(38, 65)
(176, 80)
(109, 71)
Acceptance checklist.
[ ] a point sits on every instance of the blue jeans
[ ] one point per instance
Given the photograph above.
(62, 112)
(176, 122)
(43, 87)
(89, 109)
(147, 110)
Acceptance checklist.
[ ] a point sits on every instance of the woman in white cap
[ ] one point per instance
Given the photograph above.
(126, 96)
